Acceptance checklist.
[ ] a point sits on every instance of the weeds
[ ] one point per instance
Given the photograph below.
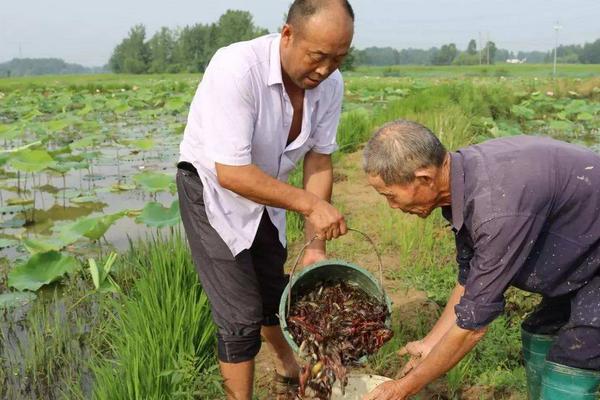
(161, 336)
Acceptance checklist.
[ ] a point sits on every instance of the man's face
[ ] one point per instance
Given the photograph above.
(312, 52)
(419, 197)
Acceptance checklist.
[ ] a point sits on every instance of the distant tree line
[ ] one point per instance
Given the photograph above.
(588, 53)
(43, 66)
(187, 49)
(449, 54)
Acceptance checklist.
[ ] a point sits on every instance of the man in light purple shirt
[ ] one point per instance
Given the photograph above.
(262, 107)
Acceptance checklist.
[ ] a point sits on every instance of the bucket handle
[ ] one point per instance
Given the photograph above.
(301, 252)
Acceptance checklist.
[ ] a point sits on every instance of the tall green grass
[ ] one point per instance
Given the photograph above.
(159, 340)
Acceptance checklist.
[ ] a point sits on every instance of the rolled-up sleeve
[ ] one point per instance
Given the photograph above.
(326, 131)
(500, 249)
(228, 114)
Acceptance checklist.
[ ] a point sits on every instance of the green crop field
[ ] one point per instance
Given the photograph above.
(99, 298)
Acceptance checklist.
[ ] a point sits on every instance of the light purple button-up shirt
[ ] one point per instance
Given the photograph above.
(241, 114)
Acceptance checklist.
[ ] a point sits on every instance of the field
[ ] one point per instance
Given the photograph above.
(99, 298)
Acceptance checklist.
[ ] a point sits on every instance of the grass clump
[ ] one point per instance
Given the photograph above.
(160, 339)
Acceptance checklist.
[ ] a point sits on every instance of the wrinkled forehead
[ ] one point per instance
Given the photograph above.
(327, 30)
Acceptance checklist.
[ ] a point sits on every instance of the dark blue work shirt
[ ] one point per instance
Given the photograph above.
(526, 212)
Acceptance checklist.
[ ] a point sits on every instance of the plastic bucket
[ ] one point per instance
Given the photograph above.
(561, 382)
(358, 386)
(535, 349)
(329, 270)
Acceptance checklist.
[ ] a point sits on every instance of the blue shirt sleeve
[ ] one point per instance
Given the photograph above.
(464, 254)
(500, 248)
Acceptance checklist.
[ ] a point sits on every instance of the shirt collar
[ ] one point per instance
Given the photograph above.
(275, 63)
(457, 190)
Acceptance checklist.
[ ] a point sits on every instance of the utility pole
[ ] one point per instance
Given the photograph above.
(487, 46)
(480, 48)
(557, 27)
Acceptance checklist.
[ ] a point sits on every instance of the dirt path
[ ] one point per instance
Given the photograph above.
(360, 205)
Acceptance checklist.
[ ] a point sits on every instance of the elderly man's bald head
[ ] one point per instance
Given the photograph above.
(399, 148)
(302, 10)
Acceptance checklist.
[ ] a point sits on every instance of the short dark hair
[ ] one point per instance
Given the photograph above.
(399, 148)
(301, 10)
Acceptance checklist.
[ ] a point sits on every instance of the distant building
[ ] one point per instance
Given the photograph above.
(516, 61)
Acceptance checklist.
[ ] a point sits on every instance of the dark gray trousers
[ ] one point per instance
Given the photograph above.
(244, 290)
(575, 320)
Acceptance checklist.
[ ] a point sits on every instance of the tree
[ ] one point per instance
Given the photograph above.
(464, 58)
(162, 48)
(489, 52)
(445, 55)
(234, 26)
(472, 47)
(132, 54)
(191, 52)
(348, 63)
(590, 53)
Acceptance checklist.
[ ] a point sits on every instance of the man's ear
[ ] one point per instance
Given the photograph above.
(286, 32)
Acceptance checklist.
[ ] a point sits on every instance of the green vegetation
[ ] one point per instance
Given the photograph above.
(132, 342)
(160, 339)
(188, 49)
(137, 325)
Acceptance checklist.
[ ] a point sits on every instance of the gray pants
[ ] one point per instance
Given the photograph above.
(244, 290)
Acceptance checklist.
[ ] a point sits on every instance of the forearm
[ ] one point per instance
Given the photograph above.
(318, 180)
(447, 319)
(449, 350)
(251, 182)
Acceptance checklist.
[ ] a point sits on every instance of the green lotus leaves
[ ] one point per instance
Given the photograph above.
(143, 144)
(10, 131)
(84, 199)
(522, 112)
(35, 246)
(19, 202)
(176, 103)
(41, 269)
(156, 215)
(86, 142)
(8, 210)
(91, 227)
(121, 187)
(585, 116)
(58, 125)
(154, 181)
(15, 299)
(28, 160)
(7, 243)
(561, 125)
(64, 167)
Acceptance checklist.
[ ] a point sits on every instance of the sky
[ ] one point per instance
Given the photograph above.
(86, 32)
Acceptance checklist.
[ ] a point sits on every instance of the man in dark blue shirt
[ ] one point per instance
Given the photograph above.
(525, 212)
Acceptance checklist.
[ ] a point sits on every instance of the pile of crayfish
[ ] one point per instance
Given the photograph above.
(336, 324)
